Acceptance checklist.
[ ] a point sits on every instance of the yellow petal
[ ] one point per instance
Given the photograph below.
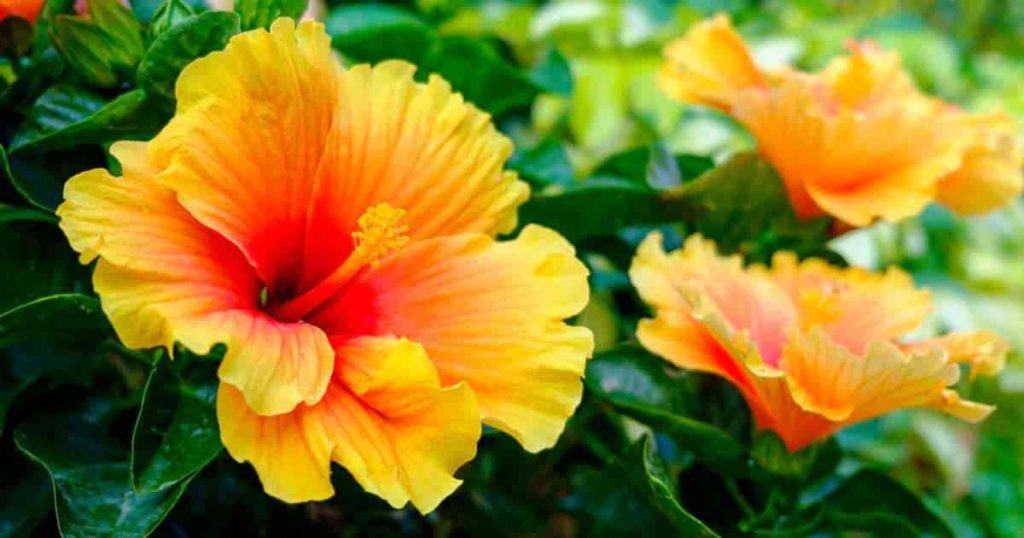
(159, 265)
(710, 65)
(290, 452)
(488, 313)
(407, 449)
(984, 351)
(827, 379)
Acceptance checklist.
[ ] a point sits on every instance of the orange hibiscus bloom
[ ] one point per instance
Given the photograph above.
(812, 348)
(335, 228)
(25, 9)
(856, 140)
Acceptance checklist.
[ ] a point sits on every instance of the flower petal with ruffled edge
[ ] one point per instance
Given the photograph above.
(385, 418)
(489, 314)
(838, 364)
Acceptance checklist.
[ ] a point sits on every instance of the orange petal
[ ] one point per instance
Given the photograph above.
(696, 276)
(883, 161)
(853, 306)
(990, 176)
(710, 65)
(244, 147)
(405, 450)
(169, 266)
(26, 9)
(418, 147)
(488, 313)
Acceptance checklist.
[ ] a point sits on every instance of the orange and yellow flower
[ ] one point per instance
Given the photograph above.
(335, 228)
(25, 9)
(811, 347)
(856, 140)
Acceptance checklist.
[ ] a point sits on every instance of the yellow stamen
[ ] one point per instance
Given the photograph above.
(379, 234)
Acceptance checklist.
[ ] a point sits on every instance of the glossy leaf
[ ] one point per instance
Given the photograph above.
(176, 432)
(598, 207)
(872, 501)
(69, 317)
(24, 500)
(36, 262)
(374, 32)
(545, 164)
(39, 178)
(646, 473)
(260, 13)
(91, 479)
(637, 386)
(743, 206)
(67, 116)
(482, 76)
(180, 44)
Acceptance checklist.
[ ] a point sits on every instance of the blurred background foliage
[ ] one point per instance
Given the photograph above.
(651, 451)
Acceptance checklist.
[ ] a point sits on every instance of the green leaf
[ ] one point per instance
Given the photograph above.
(36, 262)
(375, 32)
(179, 45)
(635, 383)
(24, 500)
(545, 164)
(597, 207)
(260, 13)
(170, 14)
(24, 214)
(39, 177)
(67, 317)
(103, 48)
(176, 431)
(67, 116)
(872, 501)
(552, 73)
(91, 479)
(742, 205)
(652, 165)
(646, 473)
(15, 37)
(482, 76)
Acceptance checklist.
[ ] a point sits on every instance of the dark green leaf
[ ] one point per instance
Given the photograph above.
(552, 74)
(743, 206)
(67, 116)
(374, 32)
(872, 501)
(36, 262)
(68, 317)
(24, 214)
(103, 48)
(545, 164)
(260, 13)
(24, 499)
(168, 15)
(652, 165)
(15, 36)
(637, 386)
(647, 474)
(596, 207)
(179, 45)
(176, 432)
(480, 74)
(91, 479)
(39, 177)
